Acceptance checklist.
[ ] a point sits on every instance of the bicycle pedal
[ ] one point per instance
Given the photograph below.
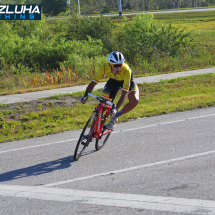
(83, 143)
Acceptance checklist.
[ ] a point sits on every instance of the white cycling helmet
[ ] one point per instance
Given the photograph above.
(116, 58)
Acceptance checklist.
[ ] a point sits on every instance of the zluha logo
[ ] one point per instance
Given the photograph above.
(20, 12)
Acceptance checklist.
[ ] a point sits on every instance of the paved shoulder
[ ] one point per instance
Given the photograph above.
(47, 93)
(157, 78)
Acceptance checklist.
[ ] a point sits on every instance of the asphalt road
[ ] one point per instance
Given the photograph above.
(159, 11)
(159, 165)
(167, 11)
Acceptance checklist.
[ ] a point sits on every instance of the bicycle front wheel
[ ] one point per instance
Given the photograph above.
(84, 140)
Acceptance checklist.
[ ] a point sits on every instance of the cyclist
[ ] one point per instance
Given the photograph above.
(120, 76)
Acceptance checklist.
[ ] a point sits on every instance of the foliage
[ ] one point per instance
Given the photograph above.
(143, 37)
(53, 7)
(106, 9)
(179, 94)
(79, 28)
(98, 6)
(80, 45)
(12, 1)
(33, 43)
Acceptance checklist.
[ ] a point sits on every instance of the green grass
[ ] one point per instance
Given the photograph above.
(201, 23)
(19, 122)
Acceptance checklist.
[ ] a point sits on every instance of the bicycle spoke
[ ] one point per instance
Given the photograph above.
(101, 142)
(83, 141)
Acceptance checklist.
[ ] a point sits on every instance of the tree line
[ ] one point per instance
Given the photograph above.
(80, 42)
(56, 7)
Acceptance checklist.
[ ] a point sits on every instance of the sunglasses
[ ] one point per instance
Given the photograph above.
(117, 65)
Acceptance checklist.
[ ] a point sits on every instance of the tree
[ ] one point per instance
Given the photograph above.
(12, 1)
(146, 5)
(53, 7)
(106, 9)
(32, 1)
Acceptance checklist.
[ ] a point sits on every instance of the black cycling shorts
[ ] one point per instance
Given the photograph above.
(112, 86)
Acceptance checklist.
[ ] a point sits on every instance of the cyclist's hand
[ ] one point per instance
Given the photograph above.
(83, 99)
(113, 112)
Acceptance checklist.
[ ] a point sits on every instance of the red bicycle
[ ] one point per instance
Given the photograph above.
(95, 127)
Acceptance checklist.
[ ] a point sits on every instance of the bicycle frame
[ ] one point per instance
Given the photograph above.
(100, 121)
(97, 127)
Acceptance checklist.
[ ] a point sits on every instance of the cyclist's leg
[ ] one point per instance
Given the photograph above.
(133, 97)
(110, 89)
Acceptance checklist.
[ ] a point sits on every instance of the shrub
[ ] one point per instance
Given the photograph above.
(40, 50)
(79, 28)
(143, 37)
(106, 9)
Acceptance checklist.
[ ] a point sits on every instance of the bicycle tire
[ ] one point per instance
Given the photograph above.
(80, 148)
(101, 142)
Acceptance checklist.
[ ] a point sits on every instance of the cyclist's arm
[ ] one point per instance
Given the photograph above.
(122, 99)
(90, 88)
(127, 81)
(92, 84)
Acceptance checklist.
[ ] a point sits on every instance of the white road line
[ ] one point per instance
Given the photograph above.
(159, 203)
(130, 169)
(47, 144)
(132, 129)
(171, 122)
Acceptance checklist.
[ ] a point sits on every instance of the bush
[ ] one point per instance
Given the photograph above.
(82, 41)
(34, 45)
(143, 37)
(79, 28)
(106, 9)
(54, 7)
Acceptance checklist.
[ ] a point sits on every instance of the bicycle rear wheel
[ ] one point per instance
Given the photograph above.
(84, 140)
(101, 142)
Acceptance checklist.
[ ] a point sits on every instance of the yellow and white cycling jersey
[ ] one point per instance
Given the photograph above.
(125, 75)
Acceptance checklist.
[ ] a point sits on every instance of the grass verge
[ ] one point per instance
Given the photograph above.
(63, 113)
(18, 80)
